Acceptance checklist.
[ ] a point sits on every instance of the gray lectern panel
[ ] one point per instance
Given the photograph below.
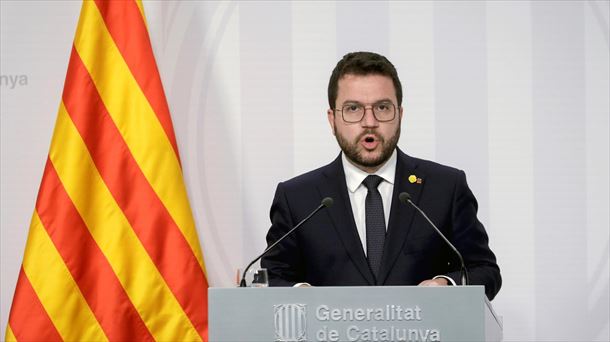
(388, 313)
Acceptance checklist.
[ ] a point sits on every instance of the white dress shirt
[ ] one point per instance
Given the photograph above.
(357, 191)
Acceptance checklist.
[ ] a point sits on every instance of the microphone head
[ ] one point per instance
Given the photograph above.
(404, 197)
(327, 202)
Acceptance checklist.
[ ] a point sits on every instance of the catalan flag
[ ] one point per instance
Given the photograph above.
(112, 252)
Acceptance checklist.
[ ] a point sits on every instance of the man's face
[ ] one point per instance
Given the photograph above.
(368, 144)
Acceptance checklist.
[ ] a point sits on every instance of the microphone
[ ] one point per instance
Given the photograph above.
(327, 202)
(405, 198)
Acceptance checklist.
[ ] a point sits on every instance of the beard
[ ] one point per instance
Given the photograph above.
(354, 152)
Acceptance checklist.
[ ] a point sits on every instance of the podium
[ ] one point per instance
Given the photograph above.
(377, 313)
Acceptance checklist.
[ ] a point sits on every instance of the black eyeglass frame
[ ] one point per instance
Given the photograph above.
(372, 106)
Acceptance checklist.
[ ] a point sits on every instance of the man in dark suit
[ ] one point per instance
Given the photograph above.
(368, 237)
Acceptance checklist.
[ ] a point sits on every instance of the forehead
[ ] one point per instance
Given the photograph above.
(365, 88)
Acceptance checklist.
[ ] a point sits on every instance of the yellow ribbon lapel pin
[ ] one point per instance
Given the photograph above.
(414, 179)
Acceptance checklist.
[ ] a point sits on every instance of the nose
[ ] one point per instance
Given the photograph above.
(369, 119)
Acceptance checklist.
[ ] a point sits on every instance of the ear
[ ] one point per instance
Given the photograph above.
(400, 112)
(330, 114)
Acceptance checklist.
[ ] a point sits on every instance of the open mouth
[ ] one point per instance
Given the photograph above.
(370, 141)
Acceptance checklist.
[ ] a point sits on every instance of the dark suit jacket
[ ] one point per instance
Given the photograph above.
(326, 251)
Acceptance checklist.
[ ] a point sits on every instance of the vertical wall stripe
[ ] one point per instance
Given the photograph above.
(559, 166)
(597, 75)
(313, 44)
(412, 53)
(266, 95)
(192, 32)
(461, 111)
(184, 37)
(216, 89)
(362, 26)
(511, 169)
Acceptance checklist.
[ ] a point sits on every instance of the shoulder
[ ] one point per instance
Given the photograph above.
(302, 193)
(429, 167)
(314, 177)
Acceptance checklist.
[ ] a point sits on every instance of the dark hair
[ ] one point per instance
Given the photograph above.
(362, 63)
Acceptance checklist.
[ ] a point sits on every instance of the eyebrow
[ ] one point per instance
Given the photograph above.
(358, 102)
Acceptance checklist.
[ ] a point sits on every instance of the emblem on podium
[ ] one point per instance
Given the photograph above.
(290, 322)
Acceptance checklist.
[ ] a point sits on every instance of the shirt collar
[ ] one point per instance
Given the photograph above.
(354, 176)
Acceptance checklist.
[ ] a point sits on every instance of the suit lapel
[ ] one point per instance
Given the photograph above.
(333, 185)
(401, 216)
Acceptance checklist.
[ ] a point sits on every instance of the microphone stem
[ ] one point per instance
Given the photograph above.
(242, 283)
(464, 273)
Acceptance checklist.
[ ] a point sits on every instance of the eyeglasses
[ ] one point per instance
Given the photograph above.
(353, 112)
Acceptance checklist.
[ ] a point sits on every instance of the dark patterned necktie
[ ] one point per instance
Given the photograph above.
(375, 222)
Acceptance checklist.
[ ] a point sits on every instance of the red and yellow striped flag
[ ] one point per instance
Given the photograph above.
(112, 252)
